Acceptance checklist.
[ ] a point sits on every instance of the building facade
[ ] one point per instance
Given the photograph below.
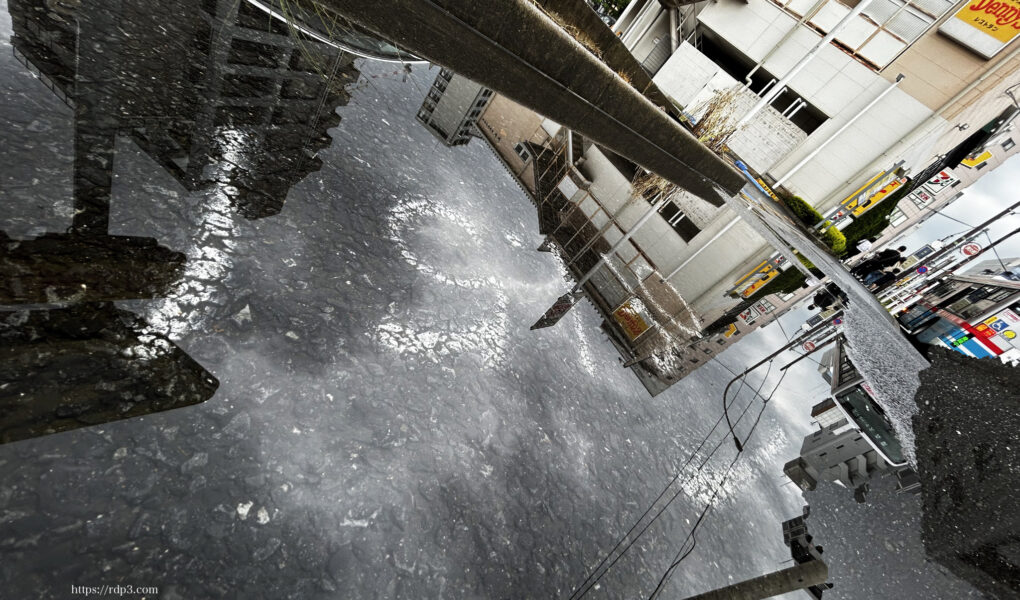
(947, 186)
(855, 440)
(452, 106)
(844, 132)
(976, 313)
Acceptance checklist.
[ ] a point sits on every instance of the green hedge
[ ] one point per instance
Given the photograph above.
(835, 240)
(802, 210)
(872, 223)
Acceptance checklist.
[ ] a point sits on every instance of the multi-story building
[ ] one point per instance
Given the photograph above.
(843, 132)
(947, 186)
(855, 440)
(847, 129)
(831, 130)
(452, 106)
(240, 84)
(976, 313)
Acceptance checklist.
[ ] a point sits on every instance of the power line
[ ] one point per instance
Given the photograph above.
(995, 252)
(681, 553)
(591, 580)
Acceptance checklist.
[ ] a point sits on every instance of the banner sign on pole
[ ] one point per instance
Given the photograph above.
(556, 312)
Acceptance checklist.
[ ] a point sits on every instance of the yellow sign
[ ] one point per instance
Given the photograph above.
(977, 160)
(862, 189)
(997, 18)
(730, 330)
(752, 272)
(768, 274)
(767, 189)
(631, 321)
(859, 209)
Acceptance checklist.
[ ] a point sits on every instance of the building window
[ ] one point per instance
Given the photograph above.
(678, 220)
(1008, 144)
(982, 165)
(901, 22)
(897, 217)
(522, 151)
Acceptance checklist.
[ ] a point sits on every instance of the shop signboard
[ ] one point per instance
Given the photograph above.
(762, 276)
(984, 26)
(971, 249)
(861, 195)
(748, 316)
(922, 198)
(632, 318)
(552, 316)
(1004, 326)
(861, 205)
(977, 160)
(941, 181)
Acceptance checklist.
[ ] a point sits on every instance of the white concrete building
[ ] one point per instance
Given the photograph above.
(452, 106)
(854, 441)
(844, 132)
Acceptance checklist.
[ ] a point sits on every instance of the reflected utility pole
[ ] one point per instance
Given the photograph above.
(809, 574)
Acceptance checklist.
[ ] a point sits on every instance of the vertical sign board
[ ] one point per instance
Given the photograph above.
(556, 312)
(985, 26)
(1004, 326)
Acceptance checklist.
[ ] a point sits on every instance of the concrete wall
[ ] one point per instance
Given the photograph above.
(705, 280)
(693, 80)
(454, 105)
(505, 123)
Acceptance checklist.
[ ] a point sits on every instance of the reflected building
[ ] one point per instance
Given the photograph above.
(855, 440)
(87, 364)
(217, 93)
(85, 361)
(451, 109)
